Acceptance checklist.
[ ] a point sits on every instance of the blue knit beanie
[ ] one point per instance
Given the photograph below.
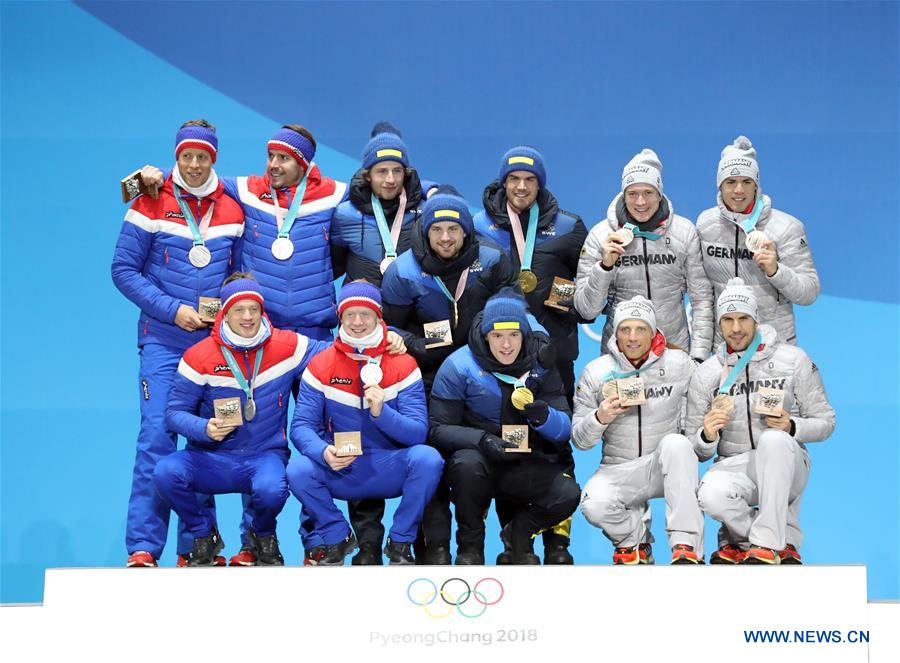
(505, 310)
(359, 293)
(525, 158)
(385, 145)
(446, 204)
(198, 138)
(240, 289)
(295, 144)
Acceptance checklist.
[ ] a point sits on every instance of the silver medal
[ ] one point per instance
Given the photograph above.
(282, 248)
(755, 240)
(386, 263)
(199, 256)
(249, 409)
(371, 375)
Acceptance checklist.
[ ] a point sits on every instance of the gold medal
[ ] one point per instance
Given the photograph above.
(521, 397)
(528, 281)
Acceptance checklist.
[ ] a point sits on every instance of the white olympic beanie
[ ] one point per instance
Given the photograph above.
(738, 160)
(644, 168)
(636, 308)
(737, 297)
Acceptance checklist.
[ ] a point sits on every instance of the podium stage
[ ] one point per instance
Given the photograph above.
(455, 613)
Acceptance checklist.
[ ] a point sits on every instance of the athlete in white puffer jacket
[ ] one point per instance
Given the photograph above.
(780, 268)
(755, 485)
(662, 262)
(644, 454)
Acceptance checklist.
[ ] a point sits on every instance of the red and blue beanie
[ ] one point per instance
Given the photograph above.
(386, 144)
(505, 310)
(359, 293)
(525, 158)
(446, 204)
(197, 138)
(233, 292)
(295, 144)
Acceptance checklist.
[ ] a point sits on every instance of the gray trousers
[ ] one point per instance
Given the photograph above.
(615, 498)
(756, 494)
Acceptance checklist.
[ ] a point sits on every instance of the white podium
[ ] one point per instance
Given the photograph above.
(431, 613)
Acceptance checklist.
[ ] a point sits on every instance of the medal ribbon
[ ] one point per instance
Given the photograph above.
(389, 240)
(460, 288)
(238, 374)
(726, 383)
(515, 382)
(524, 246)
(196, 231)
(749, 224)
(285, 224)
(640, 233)
(617, 375)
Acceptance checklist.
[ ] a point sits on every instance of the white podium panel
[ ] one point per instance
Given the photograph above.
(444, 613)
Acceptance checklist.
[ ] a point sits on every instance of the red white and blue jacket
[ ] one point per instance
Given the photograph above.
(203, 376)
(330, 401)
(151, 267)
(299, 291)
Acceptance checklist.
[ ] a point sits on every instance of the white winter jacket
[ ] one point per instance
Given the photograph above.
(725, 256)
(661, 270)
(779, 366)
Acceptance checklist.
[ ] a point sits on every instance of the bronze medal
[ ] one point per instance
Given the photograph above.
(723, 402)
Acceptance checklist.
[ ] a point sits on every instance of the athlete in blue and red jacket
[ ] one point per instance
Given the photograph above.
(355, 387)
(244, 357)
(164, 266)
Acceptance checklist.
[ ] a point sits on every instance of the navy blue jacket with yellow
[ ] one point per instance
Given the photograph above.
(357, 248)
(467, 401)
(411, 295)
(203, 376)
(151, 267)
(560, 236)
(330, 400)
(299, 291)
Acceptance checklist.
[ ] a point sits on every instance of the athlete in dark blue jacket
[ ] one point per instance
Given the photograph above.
(495, 381)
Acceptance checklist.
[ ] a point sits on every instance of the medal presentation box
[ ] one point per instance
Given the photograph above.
(434, 613)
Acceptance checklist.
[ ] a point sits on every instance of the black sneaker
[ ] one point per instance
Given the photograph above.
(336, 552)
(312, 556)
(520, 547)
(267, 551)
(398, 553)
(204, 549)
(556, 548)
(470, 556)
(369, 555)
(437, 554)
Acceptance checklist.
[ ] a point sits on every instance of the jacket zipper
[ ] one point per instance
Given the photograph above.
(646, 268)
(736, 237)
(640, 436)
(749, 421)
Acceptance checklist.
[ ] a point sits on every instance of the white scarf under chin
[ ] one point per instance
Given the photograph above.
(238, 341)
(202, 191)
(371, 340)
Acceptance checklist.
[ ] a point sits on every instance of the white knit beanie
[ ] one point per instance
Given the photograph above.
(737, 298)
(636, 308)
(738, 160)
(644, 168)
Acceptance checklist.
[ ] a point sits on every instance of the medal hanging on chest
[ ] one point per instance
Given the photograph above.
(243, 383)
(283, 247)
(199, 255)
(454, 299)
(389, 238)
(528, 280)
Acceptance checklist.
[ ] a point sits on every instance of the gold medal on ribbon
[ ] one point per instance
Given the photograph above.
(528, 281)
(521, 397)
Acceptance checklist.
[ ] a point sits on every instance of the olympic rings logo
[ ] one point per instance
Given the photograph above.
(454, 593)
